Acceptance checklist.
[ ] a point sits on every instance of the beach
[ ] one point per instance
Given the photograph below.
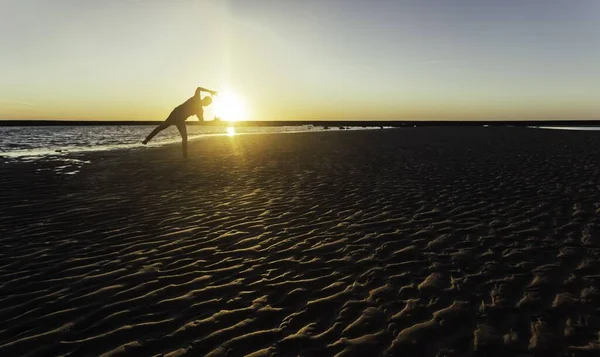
(457, 241)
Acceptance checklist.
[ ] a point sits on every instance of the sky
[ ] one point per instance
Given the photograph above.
(302, 60)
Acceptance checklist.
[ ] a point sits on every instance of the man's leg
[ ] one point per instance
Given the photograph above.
(157, 130)
(183, 131)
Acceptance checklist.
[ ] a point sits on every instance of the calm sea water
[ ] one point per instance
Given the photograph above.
(56, 141)
(16, 142)
(65, 144)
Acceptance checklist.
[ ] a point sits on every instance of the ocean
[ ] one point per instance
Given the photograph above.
(64, 144)
(33, 142)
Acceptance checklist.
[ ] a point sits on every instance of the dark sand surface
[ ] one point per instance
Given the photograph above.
(404, 242)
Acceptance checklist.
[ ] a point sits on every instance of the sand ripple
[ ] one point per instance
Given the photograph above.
(420, 242)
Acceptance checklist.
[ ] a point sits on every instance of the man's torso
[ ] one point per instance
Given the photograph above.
(190, 107)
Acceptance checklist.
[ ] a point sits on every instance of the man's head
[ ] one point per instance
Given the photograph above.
(206, 101)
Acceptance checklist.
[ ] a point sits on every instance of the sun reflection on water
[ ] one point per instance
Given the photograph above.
(230, 131)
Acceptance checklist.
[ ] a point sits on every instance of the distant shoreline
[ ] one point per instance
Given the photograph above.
(331, 123)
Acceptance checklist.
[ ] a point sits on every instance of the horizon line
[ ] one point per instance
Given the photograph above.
(304, 120)
(341, 123)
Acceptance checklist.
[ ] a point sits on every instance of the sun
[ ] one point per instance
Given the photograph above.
(229, 106)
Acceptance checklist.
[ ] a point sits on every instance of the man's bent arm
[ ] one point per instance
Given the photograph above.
(199, 89)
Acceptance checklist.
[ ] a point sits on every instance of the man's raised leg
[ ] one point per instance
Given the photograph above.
(156, 130)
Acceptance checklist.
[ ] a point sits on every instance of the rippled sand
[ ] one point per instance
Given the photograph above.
(408, 242)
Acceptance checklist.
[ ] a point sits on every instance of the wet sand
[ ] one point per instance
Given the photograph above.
(403, 242)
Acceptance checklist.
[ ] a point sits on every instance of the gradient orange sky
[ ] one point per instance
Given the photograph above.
(294, 60)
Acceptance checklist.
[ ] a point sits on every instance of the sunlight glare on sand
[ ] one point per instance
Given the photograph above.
(230, 131)
(229, 106)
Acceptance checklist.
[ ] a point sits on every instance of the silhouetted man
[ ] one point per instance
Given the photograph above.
(192, 106)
